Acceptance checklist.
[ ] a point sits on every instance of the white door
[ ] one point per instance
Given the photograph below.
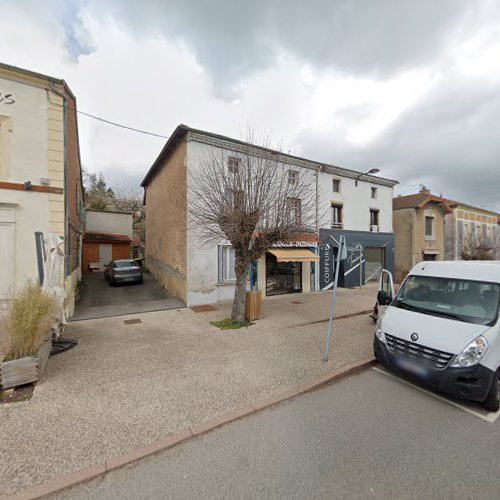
(7, 260)
(105, 254)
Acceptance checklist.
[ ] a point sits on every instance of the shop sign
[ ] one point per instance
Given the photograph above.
(326, 267)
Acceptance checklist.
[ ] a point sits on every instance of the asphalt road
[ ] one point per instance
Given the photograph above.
(98, 300)
(368, 436)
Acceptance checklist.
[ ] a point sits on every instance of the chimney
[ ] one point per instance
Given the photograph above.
(424, 190)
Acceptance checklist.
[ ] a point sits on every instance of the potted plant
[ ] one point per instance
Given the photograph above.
(28, 336)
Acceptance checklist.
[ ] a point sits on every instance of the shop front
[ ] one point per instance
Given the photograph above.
(288, 270)
(367, 254)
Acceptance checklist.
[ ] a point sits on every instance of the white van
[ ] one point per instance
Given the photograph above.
(442, 327)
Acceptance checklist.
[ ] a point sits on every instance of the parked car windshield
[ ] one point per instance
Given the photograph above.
(463, 300)
(126, 263)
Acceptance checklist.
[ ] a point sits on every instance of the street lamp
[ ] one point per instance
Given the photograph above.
(371, 171)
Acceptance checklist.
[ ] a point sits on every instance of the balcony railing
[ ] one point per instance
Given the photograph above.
(337, 225)
(374, 228)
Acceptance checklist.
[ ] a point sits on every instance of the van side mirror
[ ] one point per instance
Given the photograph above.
(383, 298)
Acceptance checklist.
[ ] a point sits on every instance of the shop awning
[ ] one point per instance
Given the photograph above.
(294, 255)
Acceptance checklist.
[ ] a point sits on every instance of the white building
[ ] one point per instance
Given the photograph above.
(348, 202)
(41, 190)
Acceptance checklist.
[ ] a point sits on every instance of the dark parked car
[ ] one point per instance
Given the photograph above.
(123, 271)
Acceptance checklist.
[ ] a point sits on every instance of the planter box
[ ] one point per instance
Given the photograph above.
(25, 370)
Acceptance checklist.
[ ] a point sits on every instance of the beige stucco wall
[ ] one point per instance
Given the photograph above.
(403, 241)
(422, 243)
(166, 221)
(55, 157)
(410, 240)
(101, 221)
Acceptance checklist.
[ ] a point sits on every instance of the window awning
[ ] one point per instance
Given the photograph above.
(294, 255)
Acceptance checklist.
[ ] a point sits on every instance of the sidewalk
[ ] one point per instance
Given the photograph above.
(126, 386)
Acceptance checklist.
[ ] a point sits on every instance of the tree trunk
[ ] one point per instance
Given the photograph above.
(241, 271)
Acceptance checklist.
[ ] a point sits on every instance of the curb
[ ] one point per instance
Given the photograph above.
(95, 471)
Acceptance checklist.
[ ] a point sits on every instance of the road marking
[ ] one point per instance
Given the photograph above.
(490, 417)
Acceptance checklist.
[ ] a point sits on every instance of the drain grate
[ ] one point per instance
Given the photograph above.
(132, 321)
(202, 309)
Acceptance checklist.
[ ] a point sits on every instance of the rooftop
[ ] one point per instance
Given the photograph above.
(182, 130)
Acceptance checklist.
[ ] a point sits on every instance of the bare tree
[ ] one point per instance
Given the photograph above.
(127, 200)
(252, 200)
(478, 248)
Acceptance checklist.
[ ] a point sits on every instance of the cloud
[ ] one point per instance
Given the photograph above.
(408, 87)
(234, 39)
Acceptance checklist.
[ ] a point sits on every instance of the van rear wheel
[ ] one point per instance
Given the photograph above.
(492, 401)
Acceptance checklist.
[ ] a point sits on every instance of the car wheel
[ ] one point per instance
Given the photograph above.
(492, 401)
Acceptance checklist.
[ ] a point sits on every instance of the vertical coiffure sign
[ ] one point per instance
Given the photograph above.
(326, 267)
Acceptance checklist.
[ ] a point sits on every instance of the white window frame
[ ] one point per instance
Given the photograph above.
(293, 177)
(333, 185)
(374, 192)
(337, 208)
(226, 270)
(375, 228)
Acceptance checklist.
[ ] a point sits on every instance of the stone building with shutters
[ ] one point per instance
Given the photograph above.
(351, 203)
(41, 191)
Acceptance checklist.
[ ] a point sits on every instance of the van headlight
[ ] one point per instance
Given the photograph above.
(380, 334)
(472, 354)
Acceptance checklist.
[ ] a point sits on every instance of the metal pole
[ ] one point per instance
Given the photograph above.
(334, 299)
(360, 266)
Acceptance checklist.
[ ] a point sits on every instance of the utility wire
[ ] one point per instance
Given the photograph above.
(109, 122)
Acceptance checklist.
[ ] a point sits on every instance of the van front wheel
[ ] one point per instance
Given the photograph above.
(492, 402)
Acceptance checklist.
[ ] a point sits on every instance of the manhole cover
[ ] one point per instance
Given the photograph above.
(202, 309)
(132, 321)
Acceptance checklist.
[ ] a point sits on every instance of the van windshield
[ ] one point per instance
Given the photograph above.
(463, 300)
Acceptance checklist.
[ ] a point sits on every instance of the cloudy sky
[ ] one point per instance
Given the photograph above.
(412, 88)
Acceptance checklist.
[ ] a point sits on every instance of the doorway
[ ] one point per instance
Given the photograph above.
(374, 262)
(105, 254)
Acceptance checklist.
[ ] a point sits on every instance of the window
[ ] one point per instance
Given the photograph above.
(429, 227)
(374, 220)
(336, 185)
(293, 177)
(462, 300)
(336, 216)
(226, 263)
(233, 164)
(234, 199)
(374, 192)
(294, 211)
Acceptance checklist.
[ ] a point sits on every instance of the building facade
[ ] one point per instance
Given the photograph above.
(41, 190)
(346, 202)
(467, 227)
(419, 226)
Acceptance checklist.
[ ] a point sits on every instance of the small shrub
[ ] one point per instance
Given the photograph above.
(28, 321)
(231, 324)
